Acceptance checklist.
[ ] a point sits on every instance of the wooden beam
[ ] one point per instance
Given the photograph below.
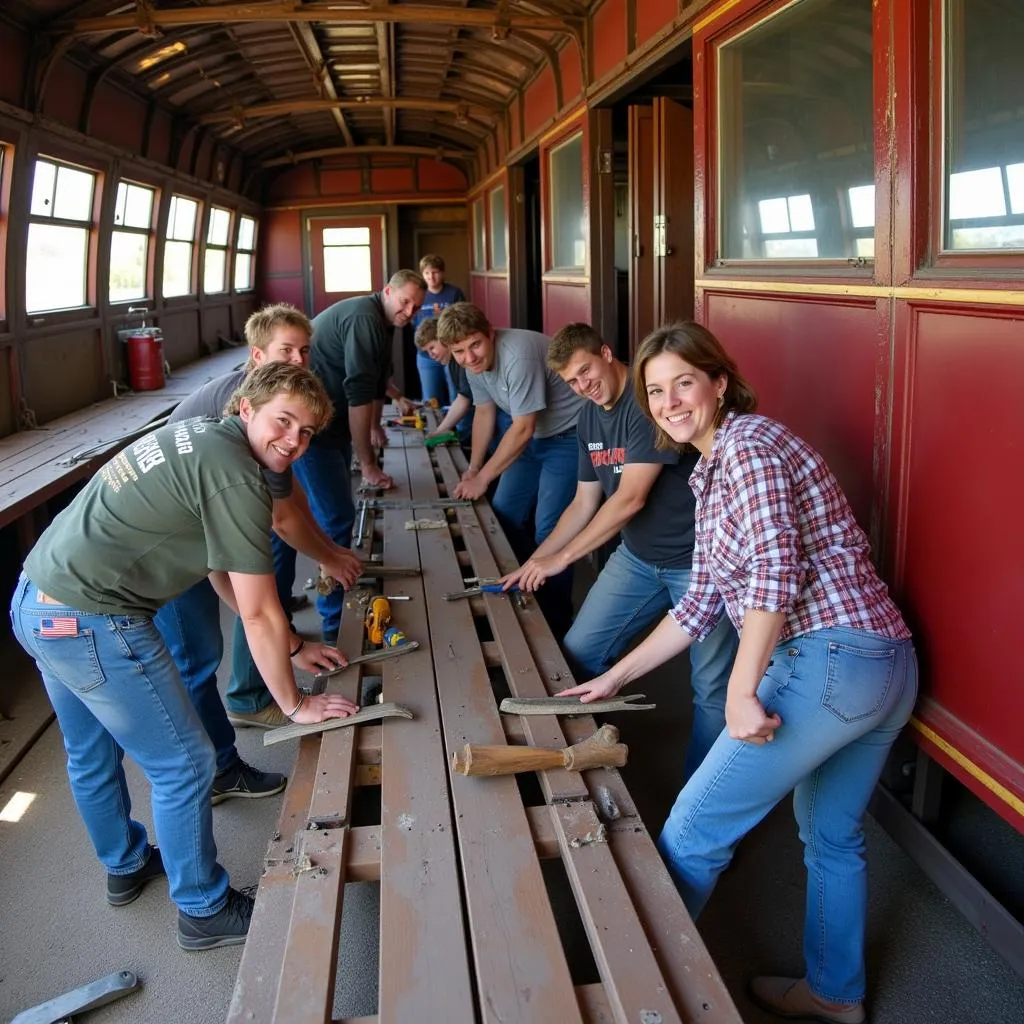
(385, 49)
(242, 114)
(314, 58)
(438, 154)
(150, 21)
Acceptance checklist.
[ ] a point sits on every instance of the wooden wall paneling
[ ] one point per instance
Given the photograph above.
(641, 224)
(601, 159)
(652, 16)
(565, 302)
(673, 211)
(610, 35)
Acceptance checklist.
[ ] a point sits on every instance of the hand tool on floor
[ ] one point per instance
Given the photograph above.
(86, 997)
(373, 713)
(415, 421)
(362, 659)
(602, 750)
(571, 705)
(482, 588)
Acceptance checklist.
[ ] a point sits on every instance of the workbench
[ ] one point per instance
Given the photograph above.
(472, 926)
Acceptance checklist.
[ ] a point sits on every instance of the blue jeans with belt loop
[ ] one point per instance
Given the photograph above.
(843, 696)
(116, 690)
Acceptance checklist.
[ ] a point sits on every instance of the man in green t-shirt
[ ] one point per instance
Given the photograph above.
(184, 502)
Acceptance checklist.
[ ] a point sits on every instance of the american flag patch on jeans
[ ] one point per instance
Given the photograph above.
(58, 627)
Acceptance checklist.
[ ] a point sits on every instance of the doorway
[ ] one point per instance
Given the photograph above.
(346, 258)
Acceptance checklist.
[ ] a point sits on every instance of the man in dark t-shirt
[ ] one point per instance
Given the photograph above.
(626, 485)
(184, 503)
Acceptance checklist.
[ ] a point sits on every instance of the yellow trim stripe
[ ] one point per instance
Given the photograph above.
(868, 291)
(996, 788)
(714, 15)
(562, 125)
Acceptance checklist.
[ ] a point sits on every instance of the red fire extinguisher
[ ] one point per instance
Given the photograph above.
(146, 359)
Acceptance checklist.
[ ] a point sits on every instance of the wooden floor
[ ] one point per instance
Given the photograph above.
(471, 924)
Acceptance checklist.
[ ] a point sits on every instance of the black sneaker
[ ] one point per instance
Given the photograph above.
(228, 927)
(244, 780)
(125, 889)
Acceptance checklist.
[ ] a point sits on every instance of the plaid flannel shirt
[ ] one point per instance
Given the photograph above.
(774, 532)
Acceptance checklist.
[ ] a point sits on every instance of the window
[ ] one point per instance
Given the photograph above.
(496, 202)
(215, 259)
(568, 220)
(796, 144)
(245, 248)
(181, 237)
(347, 261)
(984, 138)
(479, 248)
(129, 241)
(60, 220)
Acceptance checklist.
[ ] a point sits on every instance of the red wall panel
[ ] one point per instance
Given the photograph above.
(478, 290)
(117, 118)
(389, 180)
(14, 50)
(959, 537)
(564, 304)
(609, 35)
(341, 183)
(816, 366)
(295, 183)
(280, 258)
(64, 92)
(434, 176)
(652, 15)
(498, 309)
(572, 78)
(540, 102)
(204, 158)
(160, 137)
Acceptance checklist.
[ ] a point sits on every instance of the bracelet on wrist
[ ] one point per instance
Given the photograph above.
(302, 643)
(295, 710)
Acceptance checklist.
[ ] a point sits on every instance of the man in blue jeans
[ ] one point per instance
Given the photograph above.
(184, 503)
(626, 485)
(535, 461)
(351, 354)
(434, 382)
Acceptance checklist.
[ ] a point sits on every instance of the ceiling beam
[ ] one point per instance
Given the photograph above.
(149, 21)
(242, 114)
(306, 40)
(385, 49)
(315, 154)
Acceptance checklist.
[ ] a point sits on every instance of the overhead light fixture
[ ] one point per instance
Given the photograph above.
(162, 54)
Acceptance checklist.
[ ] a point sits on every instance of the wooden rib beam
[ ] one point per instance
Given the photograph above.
(149, 21)
(240, 115)
(441, 155)
(306, 40)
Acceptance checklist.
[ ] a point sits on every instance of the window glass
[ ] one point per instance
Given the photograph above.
(57, 257)
(214, 264)
(568, 223)
(796, 135)
(479, 252)
(243, 271)
(244, 253)
(984, 142)
(347, 263)
(129, 242)
(246, 233)
(496, 200)
(181, 233)
(220, 222)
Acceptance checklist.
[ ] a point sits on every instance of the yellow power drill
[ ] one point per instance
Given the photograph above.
(379, 630)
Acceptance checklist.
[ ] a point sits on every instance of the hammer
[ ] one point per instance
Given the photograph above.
(602, 750)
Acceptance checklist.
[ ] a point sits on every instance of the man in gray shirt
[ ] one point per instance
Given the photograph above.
(535, 462)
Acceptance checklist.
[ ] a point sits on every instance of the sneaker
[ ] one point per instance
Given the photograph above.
(792, 998)
(125, 889)
(244, 780)
(269, 717)
(297, 602)
(228, 927)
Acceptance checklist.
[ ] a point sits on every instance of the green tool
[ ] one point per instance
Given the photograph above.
(450, 437)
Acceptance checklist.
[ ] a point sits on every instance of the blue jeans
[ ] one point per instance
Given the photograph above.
(434, 380)
(116, 690)
(627, 597)
(247, 692)
(326, 477)
(190, 627)
(538, 486)
(843, 696)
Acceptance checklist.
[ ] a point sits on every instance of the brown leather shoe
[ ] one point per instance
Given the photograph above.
(792, 998)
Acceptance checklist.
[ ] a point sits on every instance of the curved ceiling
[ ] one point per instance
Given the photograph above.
(286, 80)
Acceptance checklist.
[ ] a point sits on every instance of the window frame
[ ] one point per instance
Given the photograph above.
(192, 293)
(56, 156)
(222, 247)
(7, 153)
(149, 233)
(478, 242)
(491, 233)
(574, 130)
(240, 251)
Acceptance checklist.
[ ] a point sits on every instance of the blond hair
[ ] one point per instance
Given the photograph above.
(268, 381)
(260, 327)
(400, 278)
(433, 261)
(458, 321)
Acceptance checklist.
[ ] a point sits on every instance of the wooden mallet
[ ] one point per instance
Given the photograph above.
(602, 750)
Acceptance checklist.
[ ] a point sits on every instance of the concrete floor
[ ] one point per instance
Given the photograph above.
(926, 964)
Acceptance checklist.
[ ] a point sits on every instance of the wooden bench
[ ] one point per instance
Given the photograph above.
(468, 930)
